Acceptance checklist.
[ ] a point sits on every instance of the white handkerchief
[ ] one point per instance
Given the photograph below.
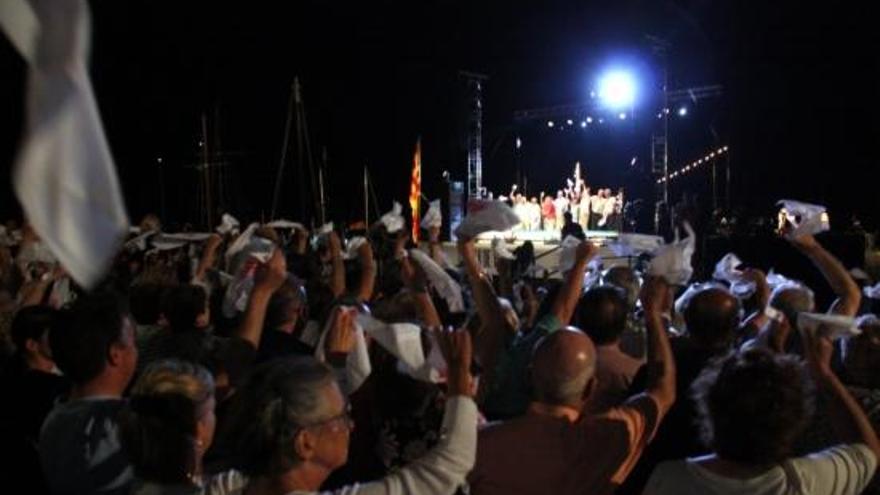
(285, 224)
(445, 285)
(486, 216)
(325, 229)
(673, 261)
(567, 253)
(166, 245)
(139, 243)
(859, 274)
(357, 364)
(238, 244)
(834, 326)
(228, 224)
(775, 280)
(393, 220)
(726, 270)
(352, 247)
(804, 217)
(593, 275)
(635, 244)
(433, 217)
(402, 340)
(872, 292)
(501, 249)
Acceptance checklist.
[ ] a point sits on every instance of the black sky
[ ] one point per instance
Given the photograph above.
(800, 106)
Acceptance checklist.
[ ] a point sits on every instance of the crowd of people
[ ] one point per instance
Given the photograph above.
(602, 210)
(274, 360)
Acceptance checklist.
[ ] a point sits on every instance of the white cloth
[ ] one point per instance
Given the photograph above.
(357, 363)
(673, 261)
(486, 216)
(445, 285)
(352, 247)
(228, 224)
(185, 237)
(834, 326)
(64, 174)
(727, 270)
(872, 292)
(635, 244)
(403, 341)
(393, 220)
(433, 217)
(811, 219)
(840, 470)
(285, 224)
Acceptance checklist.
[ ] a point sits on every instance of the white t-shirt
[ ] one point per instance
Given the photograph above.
(844, 469)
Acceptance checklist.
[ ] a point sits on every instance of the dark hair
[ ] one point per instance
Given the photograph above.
(278, 312)
(277, 400)
(601, 314)
(711, 323)
(31, 323)
(159, 425)
(145, 301)
(84, 333)
(753, 405)
(181, 306)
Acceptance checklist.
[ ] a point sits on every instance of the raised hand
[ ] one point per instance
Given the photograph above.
(457, 350)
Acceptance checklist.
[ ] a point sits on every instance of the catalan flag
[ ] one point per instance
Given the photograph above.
(415, 189)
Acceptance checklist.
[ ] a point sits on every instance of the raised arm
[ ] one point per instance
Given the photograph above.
(495, 326)
(848, 295)
(656, 298)
(209, 256)
(337, 277)
(368, 273)
(268, 278)
(847, 416)
(566, 301)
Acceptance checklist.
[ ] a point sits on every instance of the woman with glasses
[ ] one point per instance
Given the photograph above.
(289, 429)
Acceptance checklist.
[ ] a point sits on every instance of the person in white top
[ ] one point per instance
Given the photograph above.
(560, 204)
(290, 427)
(753, 406)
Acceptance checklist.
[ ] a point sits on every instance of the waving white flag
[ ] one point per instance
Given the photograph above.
(64, 174)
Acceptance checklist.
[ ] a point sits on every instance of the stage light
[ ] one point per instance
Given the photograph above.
(622, 115)
(583, 124)
(682, 111)
(633, 161)
(518, 143)
(601, 120)
(549, 123)
(617, 89)
(569, 122)
(589, 120)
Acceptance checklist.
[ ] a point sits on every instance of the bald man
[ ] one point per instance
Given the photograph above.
(554, 447)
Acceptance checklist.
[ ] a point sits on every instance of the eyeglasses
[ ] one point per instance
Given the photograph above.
(345, 415)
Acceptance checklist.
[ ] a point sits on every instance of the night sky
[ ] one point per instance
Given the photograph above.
(800, 106)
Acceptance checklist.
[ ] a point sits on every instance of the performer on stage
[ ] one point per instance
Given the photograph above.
(597, 206)
(548, 212)
(560, 204)
(584, 210)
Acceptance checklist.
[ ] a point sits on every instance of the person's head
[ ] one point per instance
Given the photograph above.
(290, 414)
(567, 217)
(792, 299)
(287, 306)
(145, 302)
(94, 340)
(185, 307)
(601, 314)
(861, 354)
(562, 368)
(712, 317)
(30, 334)
(169, 423)
(625, 278)
(753, 405)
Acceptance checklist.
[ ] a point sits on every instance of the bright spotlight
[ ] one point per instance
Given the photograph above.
(682, 111)
(622, 115)
(589, 120)
(569, 122)
(583, 124)
(549, 123)
(617, 89)
(518, 143)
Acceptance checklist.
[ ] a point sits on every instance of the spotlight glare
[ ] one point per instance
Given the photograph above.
(550, 123)
(682, 111)
(622, 115)
(589, 120)
(583, 124)
(569, 122)
(617, 89)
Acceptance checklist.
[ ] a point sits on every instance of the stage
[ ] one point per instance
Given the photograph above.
(547, 249)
